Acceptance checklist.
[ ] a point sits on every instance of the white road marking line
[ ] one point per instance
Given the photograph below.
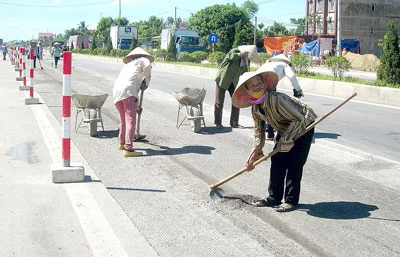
(99, 233)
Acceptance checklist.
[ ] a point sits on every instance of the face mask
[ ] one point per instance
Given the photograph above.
(259, 100)
(256, 94)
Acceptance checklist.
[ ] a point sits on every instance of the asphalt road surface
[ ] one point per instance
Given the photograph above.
(350, 188)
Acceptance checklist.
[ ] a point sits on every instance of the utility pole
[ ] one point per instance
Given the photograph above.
(339, 28)
(255, 30)
(175, 23)
(119, 14)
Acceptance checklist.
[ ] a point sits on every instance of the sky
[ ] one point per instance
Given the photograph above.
(24, 19)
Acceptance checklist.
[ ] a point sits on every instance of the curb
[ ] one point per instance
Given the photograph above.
(372, 94)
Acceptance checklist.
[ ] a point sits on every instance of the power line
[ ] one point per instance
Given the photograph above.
(264, 2)
(56, 6)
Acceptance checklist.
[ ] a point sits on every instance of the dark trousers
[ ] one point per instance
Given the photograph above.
(56, 61)
(219, 106)
(4, 55)
(289, 165)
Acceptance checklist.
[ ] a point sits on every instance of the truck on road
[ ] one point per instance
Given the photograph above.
(186, 40)
(77, 41)
(121, 36)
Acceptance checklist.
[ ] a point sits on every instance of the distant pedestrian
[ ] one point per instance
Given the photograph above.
(56, 53)
(4, 50)
(40, 48)
(35, 48)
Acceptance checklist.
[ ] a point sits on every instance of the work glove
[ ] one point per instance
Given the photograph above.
(139, 111)
(143, 87)
(297, 94)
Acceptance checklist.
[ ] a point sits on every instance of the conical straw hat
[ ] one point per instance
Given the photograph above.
(137, 52)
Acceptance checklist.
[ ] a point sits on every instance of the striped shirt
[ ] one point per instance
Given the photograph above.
(286, 114)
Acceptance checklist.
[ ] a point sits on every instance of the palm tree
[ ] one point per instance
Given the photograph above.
(82, 27)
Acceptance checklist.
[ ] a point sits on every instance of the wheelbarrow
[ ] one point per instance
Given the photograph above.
(90, 108)
(192, 100)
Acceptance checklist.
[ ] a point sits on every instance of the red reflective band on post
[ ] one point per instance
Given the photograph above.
(31, 73)
(31, 53)
(66, 148)
(67, 63)
(66, 106)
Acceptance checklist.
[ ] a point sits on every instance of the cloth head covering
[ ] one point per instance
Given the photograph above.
(240, 98)
(252, 50)
(280, 58)
(136, 53)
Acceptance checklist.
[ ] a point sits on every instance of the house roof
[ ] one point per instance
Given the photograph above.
(46, 34)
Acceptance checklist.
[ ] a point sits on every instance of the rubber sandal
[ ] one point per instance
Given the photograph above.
(286, 207)
(264, 203)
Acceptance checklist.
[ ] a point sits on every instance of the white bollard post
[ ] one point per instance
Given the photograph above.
(31, 99)
(23, 87)
(67, 173)
(66, 109)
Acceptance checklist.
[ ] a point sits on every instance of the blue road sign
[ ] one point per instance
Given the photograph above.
(213, 38)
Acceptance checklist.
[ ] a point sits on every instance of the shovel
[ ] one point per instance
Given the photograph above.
(216, 192)
(137, 135)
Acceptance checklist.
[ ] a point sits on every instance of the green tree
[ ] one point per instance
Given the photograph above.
(251, 8)
(171, 56)
(238, 26)
(93, 46)
(82, 28)
(389, 69)
(315, 18)
(278, 29)
(301, 63)
(150, 28)
(300, 23)
(109, 45)
(169, 23)
(103, 30)
(123, 21)
(71, 32)
(338, 65)
(134, 43)
(222, 19)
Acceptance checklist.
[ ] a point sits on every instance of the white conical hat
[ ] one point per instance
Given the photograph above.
(240, 97)
(252, 50)
(280, 58)
(137, 52)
